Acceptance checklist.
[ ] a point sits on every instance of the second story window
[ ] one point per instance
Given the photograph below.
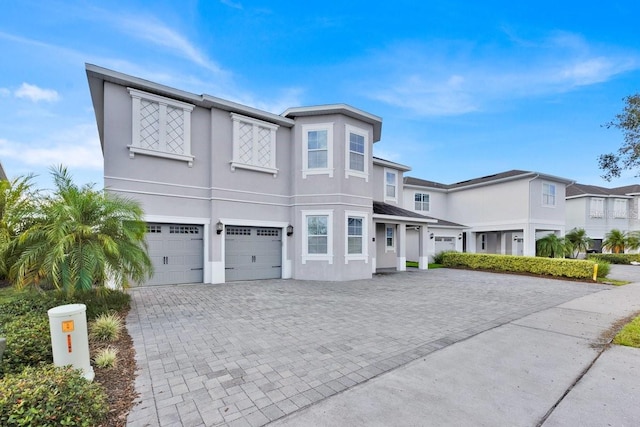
(390, 185)
(357, 152)
(548, 194)
(254, 144)
(620, 208)
(596, 207)
(421, 202)
(317, 152)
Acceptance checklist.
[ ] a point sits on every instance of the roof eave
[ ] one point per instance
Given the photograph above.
(344, 109)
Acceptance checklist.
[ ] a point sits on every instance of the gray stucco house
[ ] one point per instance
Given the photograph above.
(234, 193)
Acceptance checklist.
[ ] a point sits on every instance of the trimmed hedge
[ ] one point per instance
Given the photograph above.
(615, 258)
(557, 267)
(28, 343)
(50, 396)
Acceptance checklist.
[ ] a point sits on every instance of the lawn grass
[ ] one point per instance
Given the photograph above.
(414, 264)
(614, 282)
(630, 334)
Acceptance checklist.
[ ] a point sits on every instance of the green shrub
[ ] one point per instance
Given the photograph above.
(50, 396)
(615, 258)
(603, 269)
(439, 257)
(558, 267)
(106, 327)
(28, 343)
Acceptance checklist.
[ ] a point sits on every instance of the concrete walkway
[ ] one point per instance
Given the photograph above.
(443, 347)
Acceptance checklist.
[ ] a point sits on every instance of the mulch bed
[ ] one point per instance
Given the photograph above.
(119, 380)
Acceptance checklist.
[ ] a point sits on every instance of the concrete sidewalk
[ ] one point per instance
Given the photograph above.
(547, 368)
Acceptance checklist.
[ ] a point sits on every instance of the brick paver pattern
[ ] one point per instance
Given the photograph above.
(248, 353)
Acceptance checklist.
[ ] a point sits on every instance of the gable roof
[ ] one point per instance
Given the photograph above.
(510, 175)
(583, 190)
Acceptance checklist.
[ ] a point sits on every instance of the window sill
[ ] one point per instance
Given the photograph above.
(323, 171)
(310, 257)
(145, 151)
(356, 257)
(273, 171)
(356, 174)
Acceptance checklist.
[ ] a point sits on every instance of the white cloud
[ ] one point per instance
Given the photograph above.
(443, 78)
(233, 4)
(77, 147)
(36, 94)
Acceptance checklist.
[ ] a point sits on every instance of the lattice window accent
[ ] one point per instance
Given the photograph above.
(254, 144)
(238, 231)
(184, 229)
(154, 229)
(268, 232)
(160, 127)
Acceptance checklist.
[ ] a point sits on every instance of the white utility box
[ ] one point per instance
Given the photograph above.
(70, 338)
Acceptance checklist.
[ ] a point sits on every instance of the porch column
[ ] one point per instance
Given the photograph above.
(503, 243)
(529, 244)
(423, 245)
(401, 247)
(471, 242)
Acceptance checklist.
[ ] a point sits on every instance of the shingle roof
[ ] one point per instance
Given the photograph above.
(381, 208)
(512, 174)
(593, 190)
(494, 177)
(408, 180)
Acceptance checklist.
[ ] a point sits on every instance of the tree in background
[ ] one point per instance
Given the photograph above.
(578, 241)
(18, 202)
(615, 241)
(551, 246)
(628, 156)
(85, 238)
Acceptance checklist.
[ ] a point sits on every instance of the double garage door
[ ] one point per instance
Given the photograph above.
(252, 253)
(177, 253)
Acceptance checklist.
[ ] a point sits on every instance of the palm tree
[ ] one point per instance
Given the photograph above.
(86, 238)
(615, 241)
(17, 213)
(578, 241)
(551, 246)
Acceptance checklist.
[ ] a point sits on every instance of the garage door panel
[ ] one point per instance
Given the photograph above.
(176, 252)
(253, 253)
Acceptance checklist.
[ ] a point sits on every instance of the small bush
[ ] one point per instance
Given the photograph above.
(50, 396)
(615, 258)
(106, 358)
(558, 267)
(106, 327)
(439, 257)
(603, 269)
(28, 343)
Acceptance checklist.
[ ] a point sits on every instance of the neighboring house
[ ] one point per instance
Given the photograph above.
(503, 213)
(3, 175)
(235, 193)
(599, 210)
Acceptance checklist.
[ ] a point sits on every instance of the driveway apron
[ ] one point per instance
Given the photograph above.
(248, 353)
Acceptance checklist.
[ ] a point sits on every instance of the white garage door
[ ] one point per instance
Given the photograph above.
(445, 244)
(177, 253)
(253, 253)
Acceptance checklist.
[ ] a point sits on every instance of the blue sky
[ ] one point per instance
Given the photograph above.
(465, 88)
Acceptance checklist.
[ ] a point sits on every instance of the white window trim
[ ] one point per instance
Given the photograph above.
(135, 147)
(414, 201)
(593, 213)
(236, 163)
(306, 256)
(555, 195)
(387, 198)
(364, 256)
(348, 171)
(620, 213)
(305, 150)
(393, 238)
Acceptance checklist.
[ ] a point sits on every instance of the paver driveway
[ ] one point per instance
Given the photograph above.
(248, 353)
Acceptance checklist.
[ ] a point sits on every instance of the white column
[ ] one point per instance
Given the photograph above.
(529, 244)
(471, 242)
(503, 243)
(401, 247)
(423, 242)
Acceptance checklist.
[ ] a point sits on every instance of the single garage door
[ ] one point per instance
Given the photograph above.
(177, 253)
(445, 244)
(253, 253)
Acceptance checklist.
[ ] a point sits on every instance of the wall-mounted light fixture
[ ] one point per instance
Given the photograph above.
(289, 230)
(460, 236)
(515, 238)
(431, 236)
(219, 227)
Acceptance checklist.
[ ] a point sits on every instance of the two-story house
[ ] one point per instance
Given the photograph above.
(599, 210)
(235, 193)
(503, 213)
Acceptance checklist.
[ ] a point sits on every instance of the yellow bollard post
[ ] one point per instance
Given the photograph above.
(595, 272)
